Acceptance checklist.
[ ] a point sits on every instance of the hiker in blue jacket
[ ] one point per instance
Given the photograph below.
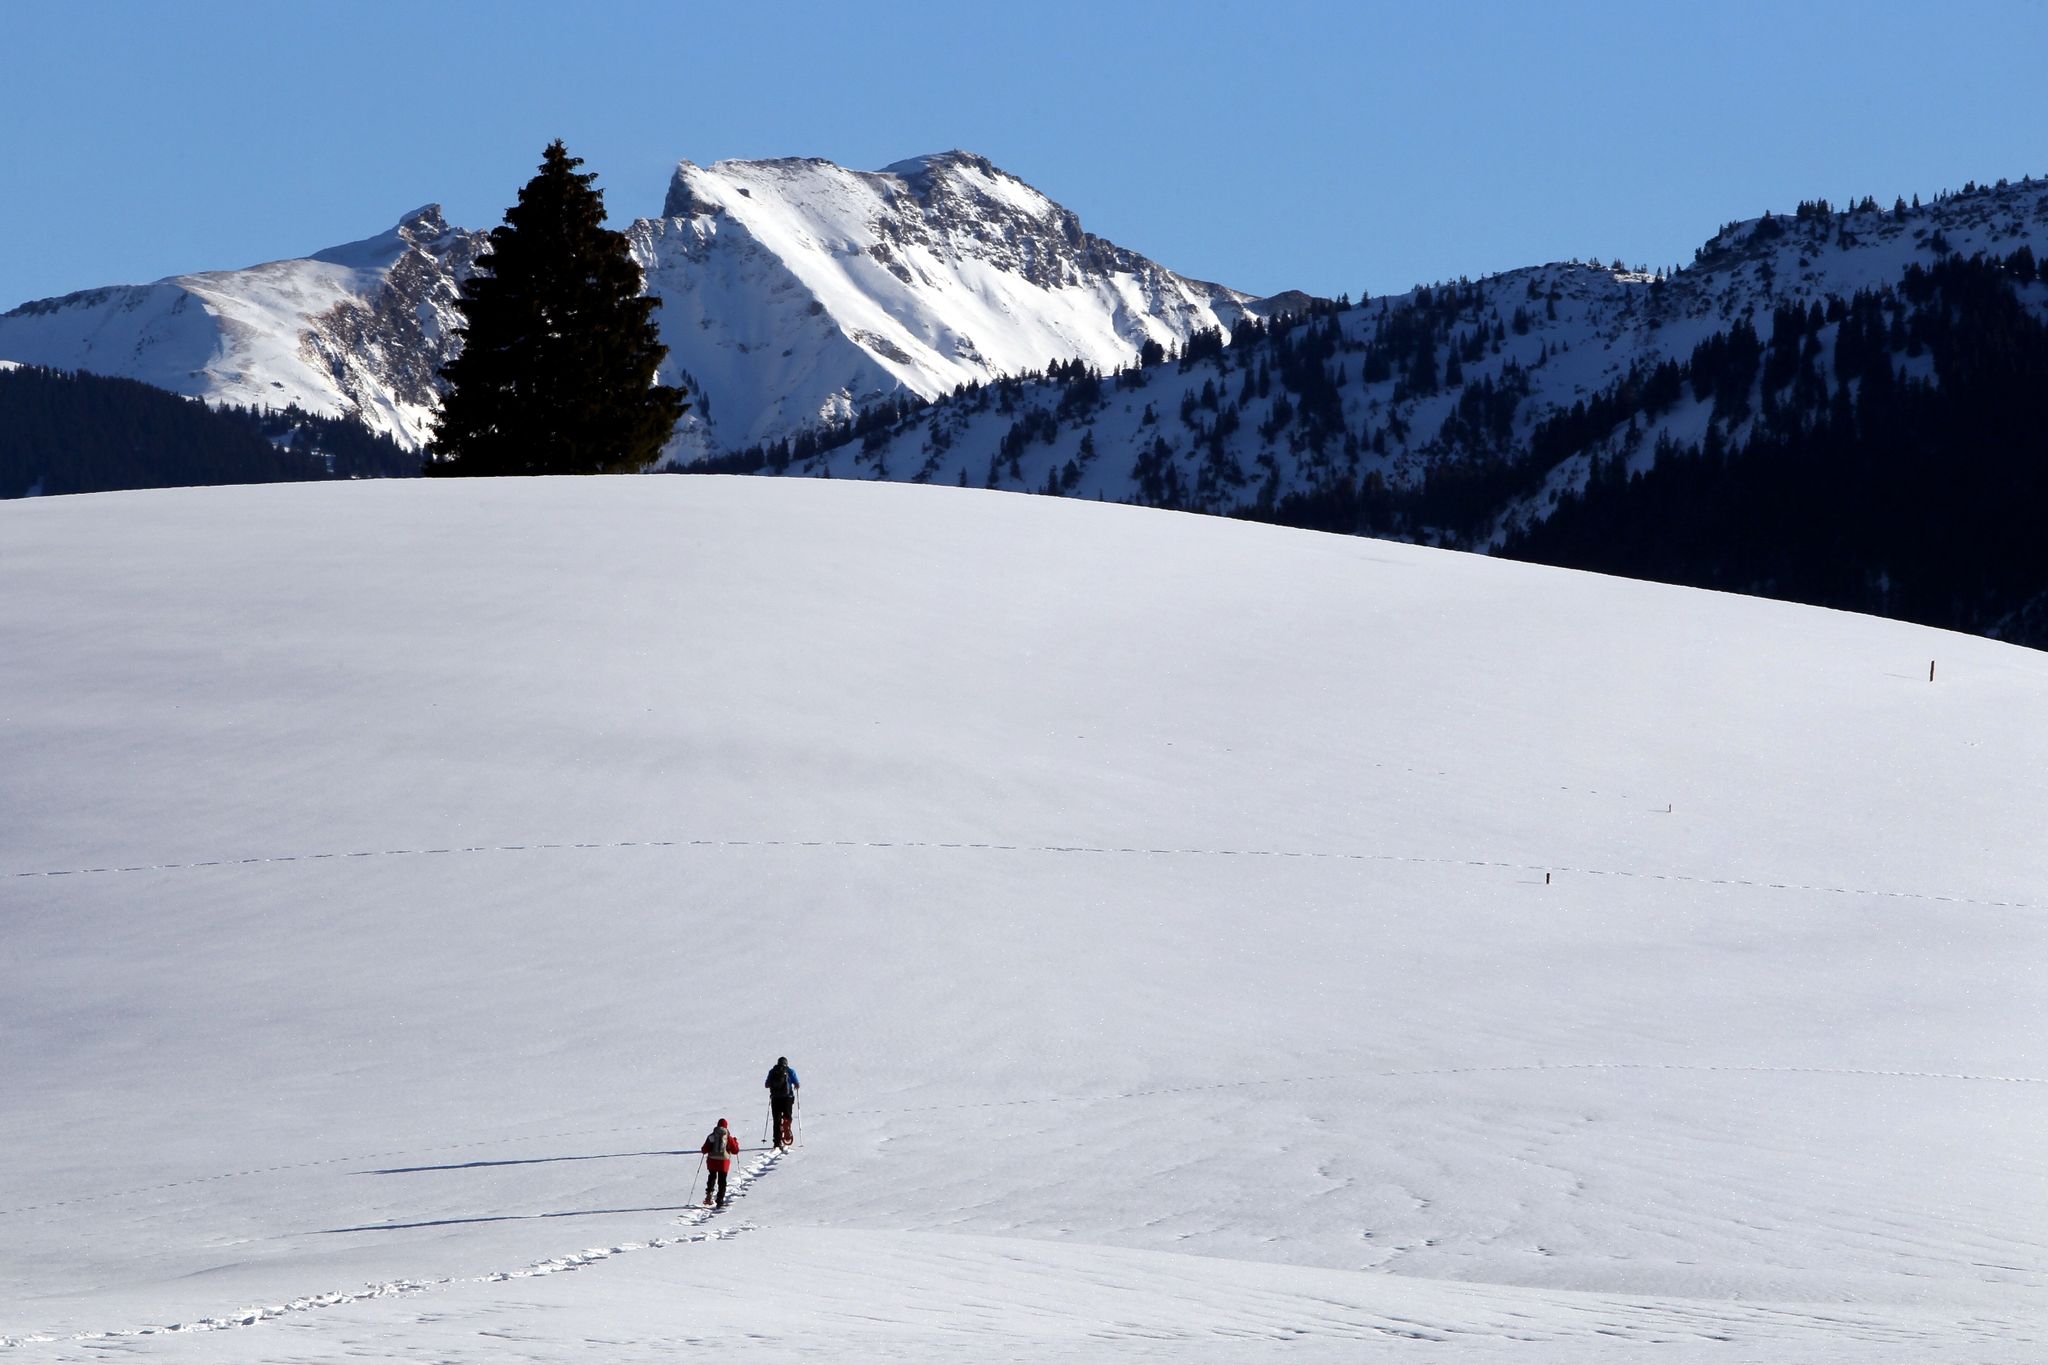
(782, 1087)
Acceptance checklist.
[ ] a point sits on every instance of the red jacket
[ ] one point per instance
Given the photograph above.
(720, 1159)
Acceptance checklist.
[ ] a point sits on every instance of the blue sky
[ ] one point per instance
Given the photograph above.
(1329, 147)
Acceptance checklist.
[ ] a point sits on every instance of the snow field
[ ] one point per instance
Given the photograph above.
(1154, 906)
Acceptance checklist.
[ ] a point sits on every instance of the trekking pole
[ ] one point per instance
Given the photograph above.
(693, 1179)
(768, 1124)
(796, 1118)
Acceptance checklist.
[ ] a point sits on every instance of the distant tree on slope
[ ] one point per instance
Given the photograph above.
(559, 353)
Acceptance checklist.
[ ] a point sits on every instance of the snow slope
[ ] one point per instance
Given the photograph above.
(1199, 940)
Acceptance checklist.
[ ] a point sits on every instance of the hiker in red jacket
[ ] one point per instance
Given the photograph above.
(719, 1149)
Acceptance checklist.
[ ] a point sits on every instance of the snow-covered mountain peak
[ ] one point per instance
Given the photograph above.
(691, 191)
(420, 230)
(914, 168)
(917, 200)
(932, 181)
(944, 179)
(798, 291)
(357, 329)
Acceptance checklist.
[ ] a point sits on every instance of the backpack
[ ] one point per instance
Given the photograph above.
(779, 1078)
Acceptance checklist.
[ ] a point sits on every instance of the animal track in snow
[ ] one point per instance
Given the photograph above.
(1103, 850)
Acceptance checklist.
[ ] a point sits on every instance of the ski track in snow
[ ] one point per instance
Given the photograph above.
(249, 1317)
(1103, 851)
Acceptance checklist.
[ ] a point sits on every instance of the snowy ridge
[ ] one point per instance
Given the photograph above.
(356, 330)
(1457, 373)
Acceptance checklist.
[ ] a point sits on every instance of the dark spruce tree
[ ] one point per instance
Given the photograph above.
(559, 351)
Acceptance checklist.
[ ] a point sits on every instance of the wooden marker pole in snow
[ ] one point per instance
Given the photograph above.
(1546, 879)
(1930, 670)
